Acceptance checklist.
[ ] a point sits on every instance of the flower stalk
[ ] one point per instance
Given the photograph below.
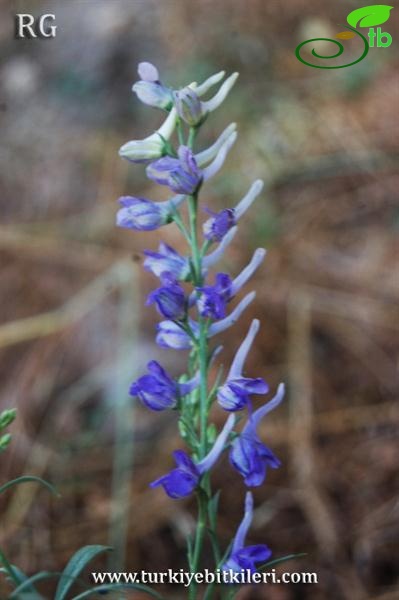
(192, 319)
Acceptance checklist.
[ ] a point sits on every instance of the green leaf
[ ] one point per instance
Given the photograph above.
(277, 561)
(369, 16)
(75, 566)
(190, 550)
(5, 441)
(26, 479)
(118, 586)
(27, 585)
(7, 417)
(15, 575)
(213, 508)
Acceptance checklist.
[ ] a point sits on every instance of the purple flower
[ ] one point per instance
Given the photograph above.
(241, 556)
(213, 299)
(219, 224)
(141, 214)
(183, 480)
(150, 90)
(181, 174)
(169, 298)
(171, 335)
(188, 106)
(158, 390)
(248, 454)
(234, 394)
(167, 259)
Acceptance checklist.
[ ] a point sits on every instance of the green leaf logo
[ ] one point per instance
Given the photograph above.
(369, 16)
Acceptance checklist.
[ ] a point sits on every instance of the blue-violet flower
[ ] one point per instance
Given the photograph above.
(181, 174)
(182, 480)
(141, 214)
(169, 298)
(150, 90)
(158, 391)
(245, 557)
(234, 394)
(248, 454)
(167, 259)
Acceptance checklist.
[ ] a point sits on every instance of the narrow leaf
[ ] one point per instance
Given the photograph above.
(27, 585)
(277, 561)
(27, 479)
(101, 589)
(75, 566)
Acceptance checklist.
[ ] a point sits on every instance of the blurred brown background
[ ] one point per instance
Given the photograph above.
(74, 332)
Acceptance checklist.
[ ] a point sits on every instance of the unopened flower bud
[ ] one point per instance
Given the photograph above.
(188, 106)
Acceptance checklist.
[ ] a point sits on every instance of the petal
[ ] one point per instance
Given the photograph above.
(221, 95)
(210, 153)
(248, 199)
(212, 258)
(208, 83)
(218, 162)
(266, 408)
(148, 72)
(179, 484)
(239, 539)
(170, 335)
(256, 553)
(249, 270)
(242, 352)
(159, 372)
(232, 399)
(207, 463)
(250, 385)
(233, 317)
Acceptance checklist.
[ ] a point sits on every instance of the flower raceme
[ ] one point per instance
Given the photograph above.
(194, 308)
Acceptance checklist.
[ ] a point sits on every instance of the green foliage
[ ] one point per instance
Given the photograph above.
(27, 479)
(102, 589)
(6, 418)
(75, 566)
(369, 16)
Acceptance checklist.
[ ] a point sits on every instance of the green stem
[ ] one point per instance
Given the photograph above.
(203, 364)
(192, 214)
(180, 135)
(199, 540)
(191, 136)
